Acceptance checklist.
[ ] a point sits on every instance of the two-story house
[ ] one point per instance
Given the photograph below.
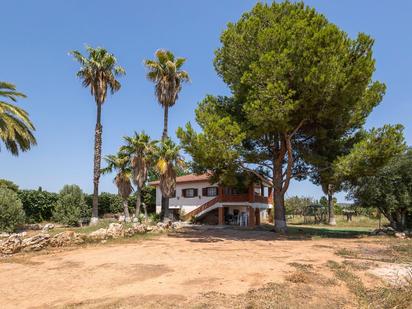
(196, 197)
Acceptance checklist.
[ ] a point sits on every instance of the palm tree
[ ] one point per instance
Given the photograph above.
(120, 163)
(168, 77)
(140, 149)
(16, 129)
(168, 161)
(98, 71)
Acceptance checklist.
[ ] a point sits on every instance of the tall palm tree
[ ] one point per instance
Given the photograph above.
(139, 148)
(165, 71)
(168, 77)
(168, 161)
(16, 129)
(98, 71)
(120, 164)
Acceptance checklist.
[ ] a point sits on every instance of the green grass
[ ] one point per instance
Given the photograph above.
(316, 231)
(358, 222)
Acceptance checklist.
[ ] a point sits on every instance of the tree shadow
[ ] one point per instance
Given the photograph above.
(214, 234)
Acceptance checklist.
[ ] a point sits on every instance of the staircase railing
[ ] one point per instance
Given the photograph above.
(202, 207)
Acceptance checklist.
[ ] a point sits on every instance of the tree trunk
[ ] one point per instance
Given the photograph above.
(165, 120)
(126, 210)
(165, 200)
(331, 210)
(145, 212)
(138, 202)
(165, 214)
(96, 167)
(280, 213)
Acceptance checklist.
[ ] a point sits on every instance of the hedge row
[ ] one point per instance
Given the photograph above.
(40, 205)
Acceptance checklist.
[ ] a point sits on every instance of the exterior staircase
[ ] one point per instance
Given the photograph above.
(202, 208)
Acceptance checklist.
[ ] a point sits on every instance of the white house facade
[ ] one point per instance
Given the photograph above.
(197, 198)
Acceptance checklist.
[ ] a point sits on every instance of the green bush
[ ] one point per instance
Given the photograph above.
(71, 206)
(38, 205)
(9, 185)
(11, 210)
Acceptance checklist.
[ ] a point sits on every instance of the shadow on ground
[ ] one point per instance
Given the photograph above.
(210, 234)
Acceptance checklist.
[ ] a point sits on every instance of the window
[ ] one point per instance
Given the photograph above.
(210, 191)
(189, 192)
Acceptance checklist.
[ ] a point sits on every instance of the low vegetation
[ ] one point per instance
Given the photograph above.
(71, 207)
(11, 210)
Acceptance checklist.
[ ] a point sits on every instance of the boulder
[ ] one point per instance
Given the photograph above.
(35, 243)
(4, 235)
(129, 232)
(139, 228)
(67, 238)
(47, 227)
(400, 235)
(98, 234)
(115, 230)
(11, 245)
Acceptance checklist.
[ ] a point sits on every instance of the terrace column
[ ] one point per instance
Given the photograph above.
(252, 217)
(221, 215)
(251, 194)
(257, 216)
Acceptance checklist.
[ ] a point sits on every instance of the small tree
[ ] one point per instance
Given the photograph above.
(11, 210)
(168, 161)
(139, 149)
(389, 190)
(121, 164)
(71, 206)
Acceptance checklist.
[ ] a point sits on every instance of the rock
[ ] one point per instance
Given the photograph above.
(98, 234)
(4, 235)
(34, 227)
(381, 233)
(121, 218)
(67, 238)
(11, 245)
(35, 243)
(135, 220)
(129, 232)
(22, 234)
(115, 230)
(47, 227)
(400, 235)
(176, 225)
(139, 228)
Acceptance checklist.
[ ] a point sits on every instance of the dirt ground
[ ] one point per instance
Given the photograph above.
(190, 268)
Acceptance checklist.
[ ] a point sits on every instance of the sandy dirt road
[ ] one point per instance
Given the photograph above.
(177, 267)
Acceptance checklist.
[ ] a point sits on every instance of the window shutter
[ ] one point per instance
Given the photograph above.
(195, 192)
(184, 192)
(204, 192)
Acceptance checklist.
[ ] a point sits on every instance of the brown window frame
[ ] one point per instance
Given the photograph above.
(205, 191)
(195, 192)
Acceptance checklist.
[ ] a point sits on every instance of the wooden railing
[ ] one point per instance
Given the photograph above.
(234, 198)
(261, 199)
(202, 207)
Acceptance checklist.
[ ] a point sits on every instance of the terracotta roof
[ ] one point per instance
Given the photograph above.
(186, 178)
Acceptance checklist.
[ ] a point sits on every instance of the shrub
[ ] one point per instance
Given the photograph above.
(11, 210)
(71, 206)
(38, 205)
(9, 185)
(108, 203)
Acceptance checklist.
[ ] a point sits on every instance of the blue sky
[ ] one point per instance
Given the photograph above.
(37, 36)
